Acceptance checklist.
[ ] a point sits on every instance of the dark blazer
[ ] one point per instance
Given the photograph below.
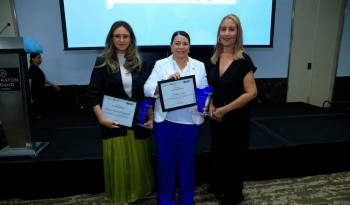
(104, 82)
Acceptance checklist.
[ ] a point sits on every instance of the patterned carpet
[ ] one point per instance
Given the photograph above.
(320, 189)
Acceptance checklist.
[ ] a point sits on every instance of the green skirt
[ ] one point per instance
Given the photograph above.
(128, 168)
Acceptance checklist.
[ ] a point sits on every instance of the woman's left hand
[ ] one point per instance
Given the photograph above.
(148, 124)
(218, 114)
(150, 115)
(175, 76)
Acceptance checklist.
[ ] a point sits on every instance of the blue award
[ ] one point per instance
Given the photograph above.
(201, 97)
(142, 110)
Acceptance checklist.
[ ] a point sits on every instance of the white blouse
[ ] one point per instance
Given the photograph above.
(161, 71)
(184, 115)
(126, 75)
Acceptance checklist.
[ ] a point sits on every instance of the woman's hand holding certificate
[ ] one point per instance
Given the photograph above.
(108, 123)
(175, 76)
(118, 110)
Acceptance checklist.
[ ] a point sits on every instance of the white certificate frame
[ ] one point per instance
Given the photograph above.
(177, 94)
(119, 110)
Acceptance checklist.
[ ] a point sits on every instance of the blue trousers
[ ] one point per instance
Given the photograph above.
(176, 149)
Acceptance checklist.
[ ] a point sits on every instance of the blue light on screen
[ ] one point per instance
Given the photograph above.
(87, 22)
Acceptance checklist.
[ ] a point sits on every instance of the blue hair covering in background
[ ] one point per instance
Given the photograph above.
(31, 45)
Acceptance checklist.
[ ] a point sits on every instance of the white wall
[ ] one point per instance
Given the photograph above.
(344, 60)
(41, 20)
(273, 62)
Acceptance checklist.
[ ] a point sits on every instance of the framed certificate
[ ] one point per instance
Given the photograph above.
(176, 94)
(119, 110)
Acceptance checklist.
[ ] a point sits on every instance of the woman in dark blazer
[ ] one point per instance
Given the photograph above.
(119, 73)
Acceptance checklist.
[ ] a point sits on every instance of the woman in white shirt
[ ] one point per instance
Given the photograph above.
(176, 131)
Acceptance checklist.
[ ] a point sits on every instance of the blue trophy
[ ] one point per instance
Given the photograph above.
(142, 110)
(201, 97)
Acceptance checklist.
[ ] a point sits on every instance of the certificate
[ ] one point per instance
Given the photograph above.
(118, 110)
(176, 94)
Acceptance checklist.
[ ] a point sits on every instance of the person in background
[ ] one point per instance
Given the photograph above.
(119, 72)
(177, 131)
(231, 77)
(37, 82)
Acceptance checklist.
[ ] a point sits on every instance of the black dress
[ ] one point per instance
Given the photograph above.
(230, 138)
(38, 92)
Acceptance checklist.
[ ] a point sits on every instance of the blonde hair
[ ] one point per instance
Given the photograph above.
(238, 47)
(132, 57)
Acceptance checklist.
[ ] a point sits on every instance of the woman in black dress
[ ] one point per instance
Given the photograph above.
(232, 79)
